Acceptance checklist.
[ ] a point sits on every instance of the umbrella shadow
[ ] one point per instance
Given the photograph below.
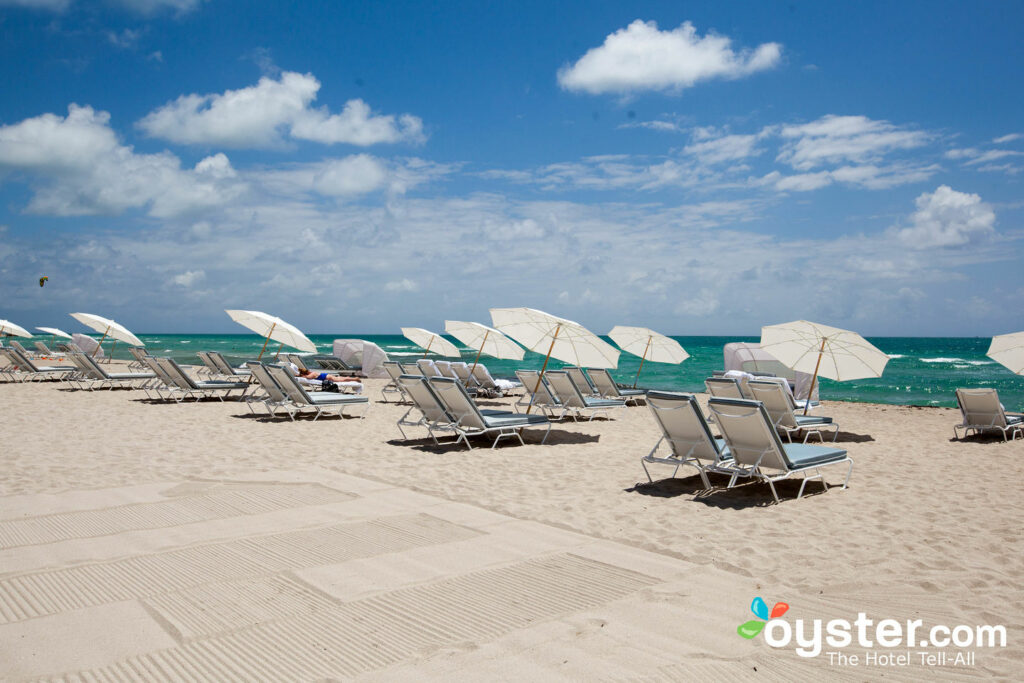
(672, 487)
(983, 439)
(757, 494)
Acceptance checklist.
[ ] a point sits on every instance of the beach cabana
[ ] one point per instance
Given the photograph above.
(363, 354)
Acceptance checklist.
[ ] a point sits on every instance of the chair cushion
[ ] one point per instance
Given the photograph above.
(632, 392)
(807, 420)
(497, 418)
(602, 402)
(326, 397)
(803, 455)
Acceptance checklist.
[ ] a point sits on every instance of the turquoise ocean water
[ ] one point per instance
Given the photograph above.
(923, 371)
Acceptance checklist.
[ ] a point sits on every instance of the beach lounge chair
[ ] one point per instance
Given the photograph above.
(434, 415)
(758, 452)
(469, 420)
(42, 349)
(394, 370)
(573, 400)
(225, 367)
(982, 410)
(461, 370)
(274, 396)
(16, 345)
(542, 399)
(410, 369)
(780, 407)
(607, 388)
(587, 387)
(93, 376)
(333, 364)
(427, 368)
(727, 387)
(318, 401)
(137, 354)
(24, 369)
(209, 368)
(503, 387)
(220, 389)
(684, 428)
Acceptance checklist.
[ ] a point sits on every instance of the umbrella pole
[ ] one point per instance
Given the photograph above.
(266, 341)
(97, 349)
(278, 350)
(540, 377)
(479, 351)
(807, 403)
(642, 359)
(428, 348)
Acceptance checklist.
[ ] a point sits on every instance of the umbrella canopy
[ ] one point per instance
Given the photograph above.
(108, 328)
(431, 342)
(824, 351)
(56, 332)
(649, 345)
(1008, 349)
(7, 327)
(559, 338)
(484, 339)
(88, 344)
(272, 327)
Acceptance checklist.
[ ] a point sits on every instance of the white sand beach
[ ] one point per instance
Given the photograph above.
(141, 540)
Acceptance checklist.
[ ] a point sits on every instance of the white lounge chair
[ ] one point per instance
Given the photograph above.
(199, 389)
(93, 376)
(434, 415)
(607, 388)
(43, 349)
(982, 410)
(469, 420)
(538, 395)
(483, 377)
(780, 407)
(410, 369)
(427, 368)
(318, 401)
(727, 387)
(394, 370)
(209, 367)
(461, 370)
(586, 387)
(684, 428)
(573, 400)
(225, 368)
(274, 396)
(759, 454)
(24, 369)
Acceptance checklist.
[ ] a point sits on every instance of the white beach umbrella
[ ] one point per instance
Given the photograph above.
(1008, 350)
(10, 329)
(824, 351)
(108, 327)
(431, 341)
(56, 332)
(486, 340)
(649, 345)
(272, 327)
(563, 339)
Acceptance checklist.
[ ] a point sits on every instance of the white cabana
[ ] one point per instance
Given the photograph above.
(88, 344)
(363, 354)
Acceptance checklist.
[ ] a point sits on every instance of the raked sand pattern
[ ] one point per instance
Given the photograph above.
(195, 542)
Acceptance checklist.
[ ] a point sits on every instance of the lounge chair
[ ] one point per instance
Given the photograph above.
(500, 386)
(469, 420)
(138, 353)
(333, 364)
(573, 400)
(93, 376)
(209, 368)
(982, 410)
(224, 367)
(24, 369)
(538, 396)
(394, 370)
(727, 387)
(220, 389)
(16, 345)
(758, 452)
(318, 401)
(42, 349)
(587, 387)
(410, 369)
(427, 368)
(684, 428)
(434, 415)
(607, 388)
(461, 370)
(780, 407)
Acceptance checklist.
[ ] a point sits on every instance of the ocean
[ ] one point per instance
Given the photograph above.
(924, 371)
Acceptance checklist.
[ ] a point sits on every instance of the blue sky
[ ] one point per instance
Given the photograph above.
(699, 168)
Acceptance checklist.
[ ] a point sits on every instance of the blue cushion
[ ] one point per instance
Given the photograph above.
(803, 455)
(602, 402)
(506, 419)
(803, 420)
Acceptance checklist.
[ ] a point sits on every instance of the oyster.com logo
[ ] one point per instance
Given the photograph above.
(759, 607)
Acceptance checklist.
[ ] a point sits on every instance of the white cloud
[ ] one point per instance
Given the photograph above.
(1007, 138)
(51, 5)
(835, 139)
(947, 218)
(725, 148)
(126, 39)
(265, 114)
(403, 285)
(138, 6)
(188, 278)
(642, 58)
(354, 175)
(78, 166)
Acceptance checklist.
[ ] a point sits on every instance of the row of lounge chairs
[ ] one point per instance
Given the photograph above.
(475, 380)
(774, 393)
(750, 447)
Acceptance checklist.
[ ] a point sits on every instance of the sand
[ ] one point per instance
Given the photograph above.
(141, 540)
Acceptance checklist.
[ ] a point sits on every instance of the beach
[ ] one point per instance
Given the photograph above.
(197, 541)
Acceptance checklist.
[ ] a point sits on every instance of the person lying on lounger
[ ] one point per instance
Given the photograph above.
(324, 376)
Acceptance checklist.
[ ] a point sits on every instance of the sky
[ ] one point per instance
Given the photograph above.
(697, 168)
